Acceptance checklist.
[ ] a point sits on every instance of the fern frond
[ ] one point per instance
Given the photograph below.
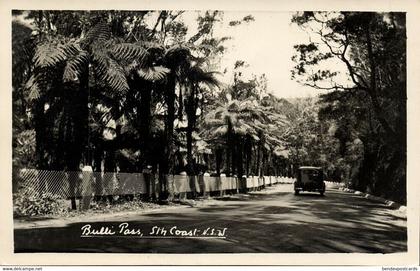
(128, 52)
(33, 87)
(75, 66)
(99, 56)
(72, 48)
(99, 33)
(196, 74)
(155, 73)
(115, 77)
(219, 131)
(153, 46)
(51, 53)
(109, 70)
(176, 55)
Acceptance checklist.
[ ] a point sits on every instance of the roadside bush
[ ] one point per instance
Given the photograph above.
(33, 204)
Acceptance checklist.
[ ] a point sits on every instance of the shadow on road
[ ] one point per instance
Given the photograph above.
(277, 222)
(317, 195)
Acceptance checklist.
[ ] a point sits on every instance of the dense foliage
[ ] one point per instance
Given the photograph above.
(367, 112)
(109, 90)
(27, 203)
(131, 91)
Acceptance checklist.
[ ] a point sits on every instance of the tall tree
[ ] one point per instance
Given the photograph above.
(372, 50)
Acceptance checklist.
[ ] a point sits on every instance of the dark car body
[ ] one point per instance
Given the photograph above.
(310, 179)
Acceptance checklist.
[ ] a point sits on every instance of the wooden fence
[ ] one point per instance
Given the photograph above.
(80, 184)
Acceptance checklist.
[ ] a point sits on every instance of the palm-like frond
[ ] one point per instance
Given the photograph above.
(128, 52)
(33, 87)
(39, 82)
(198, 75)
(213, 121)
(154, 73)
(219, 131)
(267, 146)
(246, 117)
(109, 70)
(115, 76)
(241, 130)
(75, 66)
(100, 59)
(177, 56)
(50, 53)
(96, 48)
(248, 128)
(154, 48)
(99, 33)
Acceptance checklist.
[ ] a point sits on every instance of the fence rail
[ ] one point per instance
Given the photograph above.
(79, 184)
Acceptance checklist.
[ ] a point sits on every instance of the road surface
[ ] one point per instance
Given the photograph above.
(270, 221)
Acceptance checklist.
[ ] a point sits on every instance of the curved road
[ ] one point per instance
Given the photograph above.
(271, 221)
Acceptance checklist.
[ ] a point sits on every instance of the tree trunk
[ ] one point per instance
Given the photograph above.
(248, 153)
(219, 155)
(190, 159)
(260, 157)
(40, 148)
(97, 169)
(144, 122)
(372, 91)
(40, 134)
(240, 158)
(190, 108)
(77, 128)
(228, 148)
(169, 154)
(233, 155)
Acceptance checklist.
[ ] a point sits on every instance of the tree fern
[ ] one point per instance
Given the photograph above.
(197, 74)
(177, 56)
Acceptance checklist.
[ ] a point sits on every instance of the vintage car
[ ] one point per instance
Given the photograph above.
(310, 179)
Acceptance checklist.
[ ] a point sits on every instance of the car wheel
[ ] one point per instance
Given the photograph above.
(322, 193)
(296, 192)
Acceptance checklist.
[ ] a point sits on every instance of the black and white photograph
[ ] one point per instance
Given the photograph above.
(206, 131)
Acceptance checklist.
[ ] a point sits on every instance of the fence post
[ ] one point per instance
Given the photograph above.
(156, 186)
(183, 194)
(242, 184)
(192, 184)
(170, 186)
(86, 194)
(146, 175)
(203, 184)
(98, 185)
(152, 182)
(221, 178)
(72, 179)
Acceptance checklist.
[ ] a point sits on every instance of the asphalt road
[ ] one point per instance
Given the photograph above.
(269, 221)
